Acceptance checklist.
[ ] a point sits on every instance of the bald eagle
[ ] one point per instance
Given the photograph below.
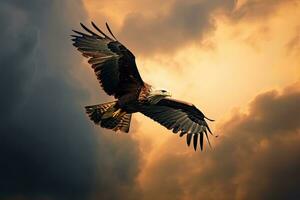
(116, 70)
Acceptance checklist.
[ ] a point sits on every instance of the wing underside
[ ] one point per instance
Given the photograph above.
(181, 121)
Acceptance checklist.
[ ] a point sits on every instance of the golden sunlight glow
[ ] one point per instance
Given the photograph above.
(247, 58)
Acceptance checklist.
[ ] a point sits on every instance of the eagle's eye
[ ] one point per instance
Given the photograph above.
(163, 91)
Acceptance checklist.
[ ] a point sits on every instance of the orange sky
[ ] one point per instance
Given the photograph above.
(240, 59)
(236, 60)
(220, 72)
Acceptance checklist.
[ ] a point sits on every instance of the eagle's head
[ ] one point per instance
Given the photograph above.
(157, 94)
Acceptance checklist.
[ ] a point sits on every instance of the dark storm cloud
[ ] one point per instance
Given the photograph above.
(47, 145)
(44, 146)
(119, 166)
(185, 22)
(258, 156)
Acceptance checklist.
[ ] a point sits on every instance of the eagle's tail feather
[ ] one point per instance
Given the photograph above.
(107, 115)
(124, 123)
(96, 112)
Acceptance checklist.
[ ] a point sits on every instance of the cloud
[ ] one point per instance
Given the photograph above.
(257, 9)
(48, 147)
(293, 45)
(183, 23)
(155, 27)
(257, 157)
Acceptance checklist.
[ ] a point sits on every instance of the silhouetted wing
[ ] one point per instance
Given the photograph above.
(180, 117)
(113, 63)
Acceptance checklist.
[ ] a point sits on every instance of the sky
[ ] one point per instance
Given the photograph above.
(236, 60)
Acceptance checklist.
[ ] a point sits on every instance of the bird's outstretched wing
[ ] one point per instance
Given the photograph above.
(113, 63)
(180, 117)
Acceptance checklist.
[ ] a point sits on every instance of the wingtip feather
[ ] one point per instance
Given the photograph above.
(195, 141)
(88, 30)
(109, 30)
(207, 138)
(188, 139)
(99, 30)
(201, 141)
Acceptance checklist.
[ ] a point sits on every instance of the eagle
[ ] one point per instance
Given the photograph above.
(117, 72)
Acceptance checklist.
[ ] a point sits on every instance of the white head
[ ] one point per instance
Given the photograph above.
(157, 94)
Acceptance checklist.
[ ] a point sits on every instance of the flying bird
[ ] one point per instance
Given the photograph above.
(117, 72)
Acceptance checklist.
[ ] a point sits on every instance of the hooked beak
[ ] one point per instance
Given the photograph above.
(168, 94)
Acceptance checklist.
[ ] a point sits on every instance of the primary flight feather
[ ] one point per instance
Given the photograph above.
(116, 70)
